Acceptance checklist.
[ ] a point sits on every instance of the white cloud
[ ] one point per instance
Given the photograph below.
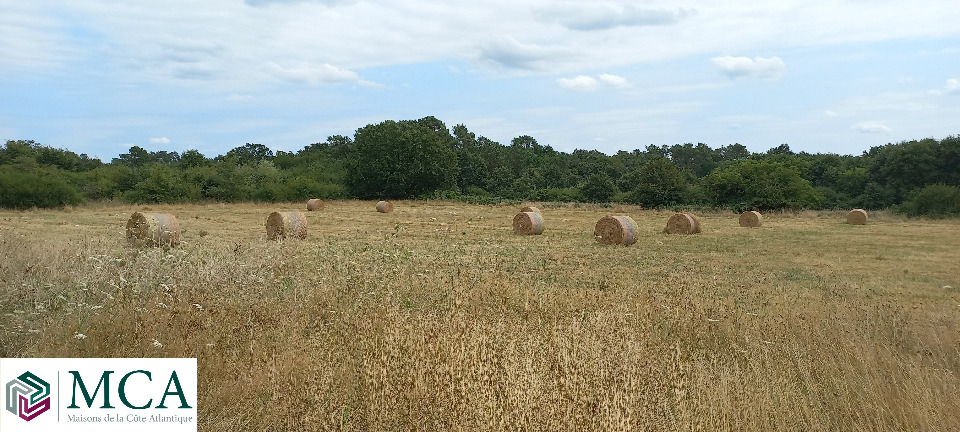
(952, 86)
(871, 127)
(316, 74)
(600, 16)
(579, 83)
(219, 40)
(508, 52)
(259, 3)
(160, 140)
(771, 68)
(614, 80)
(586, 83)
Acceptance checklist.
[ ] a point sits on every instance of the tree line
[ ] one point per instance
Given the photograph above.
(424, 159)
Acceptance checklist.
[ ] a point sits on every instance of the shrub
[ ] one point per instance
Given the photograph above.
(937, 200)
(599, 188)
(37, 187)
(570, 194)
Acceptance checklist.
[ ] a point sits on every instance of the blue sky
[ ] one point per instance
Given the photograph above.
(100, 76)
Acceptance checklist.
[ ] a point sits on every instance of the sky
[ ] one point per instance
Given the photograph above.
(839, 76)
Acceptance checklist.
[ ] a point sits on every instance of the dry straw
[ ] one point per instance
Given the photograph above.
(528, 223)
(857, 217)
(384, 207)
(751, 219)
(683, 223)
(621, 230)
(314, 205)
(153, 229)
(531, 209)
(286, 225)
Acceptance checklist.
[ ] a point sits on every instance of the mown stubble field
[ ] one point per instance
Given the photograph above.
(438, 317)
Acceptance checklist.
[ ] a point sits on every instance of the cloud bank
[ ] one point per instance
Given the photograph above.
(871, 128)
(602, 16)
(762, 68)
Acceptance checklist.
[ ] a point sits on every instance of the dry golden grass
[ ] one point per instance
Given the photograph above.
(437, 317)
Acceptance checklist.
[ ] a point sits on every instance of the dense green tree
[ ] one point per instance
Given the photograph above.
(108, 182)
(25, 184)
(422, 158)
(598, 188)
(938, 200)
(136, 157)
(165, 157)
(251, 153)
(13, 151)
(760, 183)
(658, 183)
(948, 157)
(699, 159)
(465, 140)
(401, 160)
(193, 158)
(733, 152)
(160, 184)
(44, 155)
(901, 168)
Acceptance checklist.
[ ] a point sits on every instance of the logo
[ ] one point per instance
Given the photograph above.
(98, 394)
(28, 396)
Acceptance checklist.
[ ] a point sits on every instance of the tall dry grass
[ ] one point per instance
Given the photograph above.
(436, 317)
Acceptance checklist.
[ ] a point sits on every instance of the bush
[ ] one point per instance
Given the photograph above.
(936, 200)
(599, 188)
(36, 187)
(570, 194)
(658, 184)
(762, 184)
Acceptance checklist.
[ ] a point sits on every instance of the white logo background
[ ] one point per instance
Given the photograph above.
(138, 389)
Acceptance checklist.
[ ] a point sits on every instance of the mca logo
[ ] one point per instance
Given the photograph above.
(28, 396)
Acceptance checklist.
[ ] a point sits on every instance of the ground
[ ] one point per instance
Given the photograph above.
(438, 317)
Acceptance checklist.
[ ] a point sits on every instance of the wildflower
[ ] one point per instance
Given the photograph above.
(79, 336)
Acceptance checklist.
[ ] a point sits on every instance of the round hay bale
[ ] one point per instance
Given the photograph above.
(857, 217)
(528, 223)
(314, 204)
(286, 225)
(683, 223)
(384, 206)
(621, 230)
(153, 229)
(531, 209)
(751, 219)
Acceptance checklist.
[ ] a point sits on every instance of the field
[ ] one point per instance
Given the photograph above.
(438, 317)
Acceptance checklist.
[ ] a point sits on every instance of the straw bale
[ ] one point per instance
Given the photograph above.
(528, 223)
(384, 206)
(153, 229)
(683, 223)
(857, 217)
(286, 225)
(314, 204)
(751, 219)
(621, 230)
